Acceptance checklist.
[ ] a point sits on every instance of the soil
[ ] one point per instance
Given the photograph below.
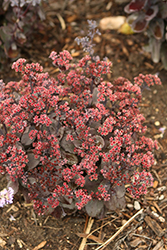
(20, 227)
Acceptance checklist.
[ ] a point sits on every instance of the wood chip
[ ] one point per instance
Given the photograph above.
(137, 205)
(155, 185)
(92, 237)
(154, 226)
(2, 242)
(41, 245)
(158, 245)
(136, 242)
(62, 22)
(72, 18)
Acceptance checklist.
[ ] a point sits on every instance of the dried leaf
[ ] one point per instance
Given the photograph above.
(126, 29)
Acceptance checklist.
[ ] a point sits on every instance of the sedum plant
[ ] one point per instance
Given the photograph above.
(150, 16)
(74, 142)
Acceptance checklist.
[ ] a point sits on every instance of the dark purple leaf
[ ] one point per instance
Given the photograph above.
(140, 24)
(25, 139)
(24, 192)
(135, 5)
(14, 185)
(5, 5)
(119, 190)
(68, 146)
(99, 141)
(5, 33)
(115, 203)
(69, 208)
(157, 28)
(20, 38)
(32, 161)
(92, 185)
(41, 14)
(151, 12)
(58, 213)
(94, 207)
(117, 198)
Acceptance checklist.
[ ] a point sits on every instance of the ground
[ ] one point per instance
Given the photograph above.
(20, 227)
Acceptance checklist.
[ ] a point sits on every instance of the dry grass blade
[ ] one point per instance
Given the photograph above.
(83, 243)
(119, 231)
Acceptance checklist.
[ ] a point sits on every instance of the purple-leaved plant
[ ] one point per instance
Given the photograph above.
(19, 18)
(74, 141)
(150, 16)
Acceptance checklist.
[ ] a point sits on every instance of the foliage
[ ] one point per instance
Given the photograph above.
(18, 20)
(74, 141)
(151, 15)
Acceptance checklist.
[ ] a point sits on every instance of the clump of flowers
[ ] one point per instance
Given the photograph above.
(6, 196)
(74, 142)
(19, 18)
(150, 16)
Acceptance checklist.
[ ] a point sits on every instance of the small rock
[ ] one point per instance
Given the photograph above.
(140, 228)
(161, 189)
(137, 205)
(162, 219)
(112, 23)
(129, 205)
(161, 197)
(157, 123)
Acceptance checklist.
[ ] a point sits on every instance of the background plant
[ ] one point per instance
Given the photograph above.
(19, 18)
(151, 16)
(76, 141)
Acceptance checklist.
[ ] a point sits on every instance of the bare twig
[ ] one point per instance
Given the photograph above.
(83, 243)
(119, 231)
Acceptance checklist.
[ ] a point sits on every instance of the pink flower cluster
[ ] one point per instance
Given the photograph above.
(75, 139)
